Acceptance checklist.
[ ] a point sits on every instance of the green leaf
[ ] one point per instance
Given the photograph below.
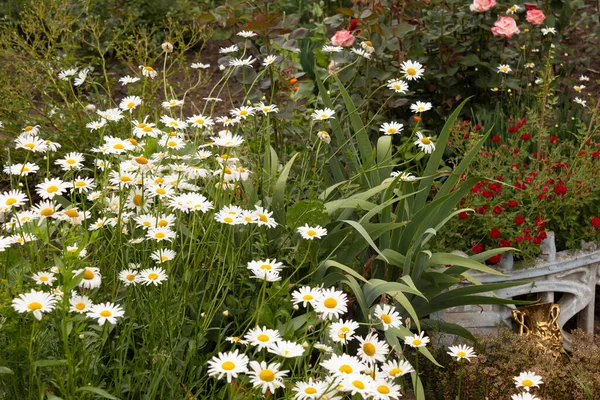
(379, 287)
(393, 257)
(6, 371)
(447, 327)
(279, 191)
(49, 363)
(359, 228)
(435, 158)
(98, 391)
(332, 263)
(453, 259)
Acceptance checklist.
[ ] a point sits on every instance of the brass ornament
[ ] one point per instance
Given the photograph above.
(539, 321)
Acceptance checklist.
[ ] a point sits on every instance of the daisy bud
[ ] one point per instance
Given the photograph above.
(221, 68)
(295, 307)
(82, 336)
(202, 315)
(225, 313)
(91, 108)
(305, 345)
(167, 47)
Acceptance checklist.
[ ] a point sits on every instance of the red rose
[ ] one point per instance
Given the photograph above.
(520, 124)
(466, 136)
(478, 248)
(530, 7)
(519, 219)
(595, 222)
(543, 235)
(487, 194)
(537, 240)
(497, 210)
(496, 139)
(516, 150)
(526, 230)
(477, 127)
(494, 259)
(525, 136)
(480, 210)
(596, 154)
(519, 239)
(505, 243)
(582, 153)
(528, 237)
(463, 215)
(515, 166)
(513, 129)
(512, 203)
(553, 139)
(495, 233)
(560, 189)
(353, 25)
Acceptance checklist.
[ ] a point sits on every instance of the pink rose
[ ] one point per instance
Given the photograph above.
(505, 26)
(536, 17)
(482, 5)
(342, 38)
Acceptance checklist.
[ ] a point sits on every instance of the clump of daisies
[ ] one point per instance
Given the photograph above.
(372, 371)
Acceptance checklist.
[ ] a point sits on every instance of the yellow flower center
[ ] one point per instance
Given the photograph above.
(80, 184)
(44, 278)
(228, 365)
(152, 276)
(28, 128)
(142, 125)
(172, 143)
(52, 189)
(227, 171)
(72, 213)
(311, 232)
(11, 201)
(137, 200)
(164, 258)
(163, 222)
(262, 338)
(243, 112)
(200, 121)
(229, 220)
(133, 141)
(34, 306)
(330, 302)
(307, 297)
(25, 169)
(425, 140)
(411, 71)
(131, 104)
(71, 161)
(358, 384)
(159, 235)
(267, 375)
(88, 275)
(345, 369)
(310, 390)
(265, 267)
(386, 318)
(130, 277)
(324, 116)
(383, 389)
(46, 212)
(527, 382)
(118, 146)
(395, 371)
(417, 342)
(80, 306)
(369, 349)
(461, 354)
(161, 191)
(105, 313)
(149, 69)
(125, 179)
(147, 129)
(263, 218)
(30, 146)
(141, 160)
(391, 130)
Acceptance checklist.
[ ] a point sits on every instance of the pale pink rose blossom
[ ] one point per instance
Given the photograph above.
(343, 38)
(536, 17)
(482, 5)
(506, 27)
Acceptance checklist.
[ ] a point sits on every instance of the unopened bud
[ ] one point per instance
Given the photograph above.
(167, 47)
